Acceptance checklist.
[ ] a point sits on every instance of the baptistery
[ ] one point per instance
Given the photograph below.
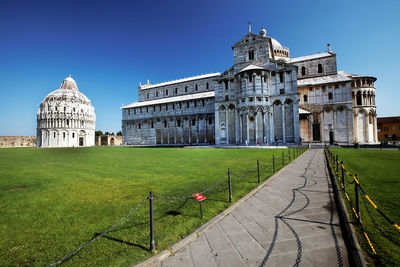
(66, 118)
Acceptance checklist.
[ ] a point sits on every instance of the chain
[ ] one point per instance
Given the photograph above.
(67, 257)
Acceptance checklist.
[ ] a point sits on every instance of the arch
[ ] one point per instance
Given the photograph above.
(222, 107)
(112, 141)
(288, 101)
(277, 102)
(231, 106)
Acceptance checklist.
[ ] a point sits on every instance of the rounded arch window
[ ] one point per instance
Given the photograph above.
(320, 68)
(303, 71)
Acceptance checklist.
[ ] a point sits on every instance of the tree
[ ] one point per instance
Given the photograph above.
(119, 133)
(106, 133)
(98, 133)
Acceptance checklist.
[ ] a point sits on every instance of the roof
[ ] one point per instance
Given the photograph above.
(339, 77)
(303, 111)
(193, 78)
(170, 100)
(388, 119)
(251, 67)
(310, 57)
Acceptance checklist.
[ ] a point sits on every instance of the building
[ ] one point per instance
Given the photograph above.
(66, 118)
(108, 140)
(265, 97)
(17, 141)
(389, 129)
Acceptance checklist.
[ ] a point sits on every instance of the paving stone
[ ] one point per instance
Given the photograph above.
(217, 239)
(228, 258)
(201, 252)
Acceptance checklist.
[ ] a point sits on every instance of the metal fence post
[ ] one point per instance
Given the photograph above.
(283, 158)
(229, 185)
(152, 243)
(201, 209)
(258, 170)
(289, 155)
(273, 161)
(343, 180)
(337, 165)
(358, 221)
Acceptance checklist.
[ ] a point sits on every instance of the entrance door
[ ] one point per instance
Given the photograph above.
(316, 132)
(80, 141)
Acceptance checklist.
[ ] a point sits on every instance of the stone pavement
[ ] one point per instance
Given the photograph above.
(291, 221)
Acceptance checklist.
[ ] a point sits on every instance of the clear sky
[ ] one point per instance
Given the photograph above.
(110, 46)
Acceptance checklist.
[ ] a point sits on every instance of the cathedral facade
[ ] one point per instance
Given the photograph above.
(66, 118)
(266, 97)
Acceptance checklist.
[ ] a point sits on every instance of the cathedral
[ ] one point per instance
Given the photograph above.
(66, 118)
(266, 97)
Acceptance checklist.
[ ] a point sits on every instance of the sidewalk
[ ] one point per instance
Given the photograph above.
(290, 221)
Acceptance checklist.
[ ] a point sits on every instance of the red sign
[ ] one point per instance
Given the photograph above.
(199, 196)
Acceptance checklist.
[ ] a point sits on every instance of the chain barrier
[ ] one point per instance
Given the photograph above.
(364, 197)
(242, 176)
(67, 257)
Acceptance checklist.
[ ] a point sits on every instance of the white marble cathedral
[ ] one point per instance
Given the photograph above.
(265, 97)
(66, 118)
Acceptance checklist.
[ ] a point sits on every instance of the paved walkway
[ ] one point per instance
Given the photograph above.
(291, 221)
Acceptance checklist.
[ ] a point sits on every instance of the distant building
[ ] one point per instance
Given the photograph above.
(17, 141)
(265, 97)
(108, 140)
(66, 118)
(389, 128)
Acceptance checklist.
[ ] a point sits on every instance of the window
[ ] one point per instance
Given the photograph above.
(56, 108)
(386, 136)
(195, 87)
(73, 135)
(165, 124)
(281, 77)
(336, 86)
(305, 97)
(65, 109)
(359, 102)
(129, 112)
(73, 109)
(159, 107)
(282, 91)
(179, 123)
(148, 95)
(54, 135)
(265, 78)
(251, 55)
(173, 106)
(226, 97)
(273, 74)
(156, 94)
(176, 91)
(152, 124)
(207, 86)
(64, 135)
(166, 106)
(330, 96)
(185, 89)
(187, 104)
(320, 68)
(139, 126)
(251, 78)
(226, 85)
(166, 92)
(147, 109)
(193, 122)
(310, 88)
(180, 105)
(210, 121)
(195, 103)
(385, 129)
(202, 102)
(303, 71)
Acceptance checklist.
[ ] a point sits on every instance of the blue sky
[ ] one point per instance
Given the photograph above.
(110, 46)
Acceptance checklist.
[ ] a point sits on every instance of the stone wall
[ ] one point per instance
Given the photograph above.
(17, 141)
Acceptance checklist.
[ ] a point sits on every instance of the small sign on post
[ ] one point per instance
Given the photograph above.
(200, 198)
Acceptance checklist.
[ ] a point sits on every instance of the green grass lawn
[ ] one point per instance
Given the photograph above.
(52, 201)
(379, 175)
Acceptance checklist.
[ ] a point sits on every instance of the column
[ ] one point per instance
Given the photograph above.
(283, 124)
(247, 126)
(205, 129)
(256, 125)
(183, 127)
(197, 129)
(236, 125)
(227, 126)
(271, 126)
(241, 127)
(168, 122)
(190, 130)
(296, 122)
(217, 128)
(174, 130)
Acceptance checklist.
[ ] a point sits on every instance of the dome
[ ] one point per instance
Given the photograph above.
(67, 92)
(275, 43)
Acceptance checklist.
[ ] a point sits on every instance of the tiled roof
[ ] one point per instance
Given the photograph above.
(204, 76)
(339, 77)
(170, 99)
(309, 57)
(388, 119)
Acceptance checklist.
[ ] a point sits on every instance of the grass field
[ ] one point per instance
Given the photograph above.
(379, 175)
(52, 201)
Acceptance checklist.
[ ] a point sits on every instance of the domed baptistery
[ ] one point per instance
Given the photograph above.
(66, 118)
